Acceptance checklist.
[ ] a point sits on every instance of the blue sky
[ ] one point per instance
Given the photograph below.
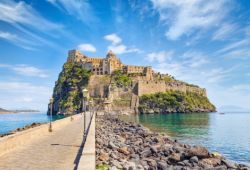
(198, 41)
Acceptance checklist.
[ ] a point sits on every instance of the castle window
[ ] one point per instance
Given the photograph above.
(93, 69)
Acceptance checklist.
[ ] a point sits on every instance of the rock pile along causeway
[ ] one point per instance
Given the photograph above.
(130, 146)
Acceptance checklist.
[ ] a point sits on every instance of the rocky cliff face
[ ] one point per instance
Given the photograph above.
(67, 91)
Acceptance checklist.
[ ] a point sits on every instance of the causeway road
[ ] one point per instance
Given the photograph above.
(59, 150)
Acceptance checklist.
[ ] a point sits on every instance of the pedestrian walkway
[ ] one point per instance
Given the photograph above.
(59, 150)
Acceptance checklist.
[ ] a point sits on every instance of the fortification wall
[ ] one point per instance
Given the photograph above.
(98, 85)
(151, 87)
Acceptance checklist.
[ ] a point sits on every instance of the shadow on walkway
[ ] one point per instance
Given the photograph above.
(57, 144)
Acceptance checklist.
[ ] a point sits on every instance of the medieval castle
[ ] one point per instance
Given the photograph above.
(106, 66)
(145, 81)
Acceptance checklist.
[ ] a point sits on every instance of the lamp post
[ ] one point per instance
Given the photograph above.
(85, 95)
(51, 109)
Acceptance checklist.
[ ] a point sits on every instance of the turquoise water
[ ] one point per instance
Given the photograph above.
(227, 133)
(9, 122)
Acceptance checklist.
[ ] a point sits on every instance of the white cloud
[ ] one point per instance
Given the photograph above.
(122, 49)
(242, 87)
(26, 70)
(194, 59)
(185, 16)
(234, 45)
(243, 53)
(191, 66)
(81, 9)
(22, 86)
(27, 99)
(237, 49)
(159, 56)
(115, 39)
(117, 47)
(29, 26)
(16, 40)
(224, 31)
(16, 95)
(86, 47)
(21, 13)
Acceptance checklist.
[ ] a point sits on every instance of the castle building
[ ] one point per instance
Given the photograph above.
(106, 66)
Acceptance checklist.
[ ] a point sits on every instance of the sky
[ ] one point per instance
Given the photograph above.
(198, 41)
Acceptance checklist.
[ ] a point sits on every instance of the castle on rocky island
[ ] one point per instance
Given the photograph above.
(120, 90)
(107, 65)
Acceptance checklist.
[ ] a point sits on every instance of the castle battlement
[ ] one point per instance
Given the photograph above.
(107, 65)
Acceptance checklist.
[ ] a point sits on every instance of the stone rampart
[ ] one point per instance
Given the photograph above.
(151, 87)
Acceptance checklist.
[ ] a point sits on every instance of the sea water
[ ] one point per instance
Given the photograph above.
(9, 122)
(228, 134)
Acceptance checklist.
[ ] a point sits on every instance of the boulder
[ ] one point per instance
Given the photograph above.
(146, 153)
(111, 145)
(112, 168)
(103, 157)
(194, 159)
(199, 151)
(162, 165)
(211, 161)
(175, 157)
(229, 164)
(153, 149)
(116, 164)
(216, 155)
(123, 150)
(129, 166)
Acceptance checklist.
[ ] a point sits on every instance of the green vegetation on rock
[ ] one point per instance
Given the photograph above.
(67, 92)
(120, 79)
(175, 101)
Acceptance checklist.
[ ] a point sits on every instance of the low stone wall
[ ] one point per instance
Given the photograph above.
(11, 142)
(87, 161)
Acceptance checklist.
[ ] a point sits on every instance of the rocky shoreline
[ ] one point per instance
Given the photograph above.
(130, 146)
(21, 129)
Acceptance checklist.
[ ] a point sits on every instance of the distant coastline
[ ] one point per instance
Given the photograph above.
(4, 111)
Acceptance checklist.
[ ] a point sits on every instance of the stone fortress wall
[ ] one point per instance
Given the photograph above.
(151, 87)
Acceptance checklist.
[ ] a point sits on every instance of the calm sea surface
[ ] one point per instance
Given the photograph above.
(227, 133)
(9, 122)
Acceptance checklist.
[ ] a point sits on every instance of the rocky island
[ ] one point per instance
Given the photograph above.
(127, 87)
